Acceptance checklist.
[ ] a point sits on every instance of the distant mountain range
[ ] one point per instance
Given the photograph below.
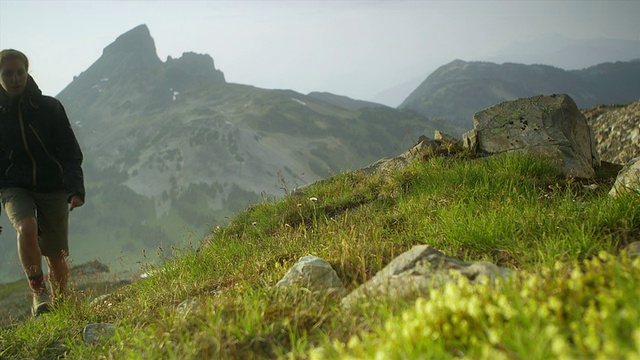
(566, 53)
(550, 49)
(456, 91)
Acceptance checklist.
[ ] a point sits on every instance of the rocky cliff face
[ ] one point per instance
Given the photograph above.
(189, 69)
(617, 131)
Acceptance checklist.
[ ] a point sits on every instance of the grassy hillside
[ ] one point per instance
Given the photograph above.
(575, 295)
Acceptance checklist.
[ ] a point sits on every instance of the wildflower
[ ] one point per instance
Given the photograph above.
(559, 346)
(353, 342)
(555, 304)
(493, 336)
(313, 199)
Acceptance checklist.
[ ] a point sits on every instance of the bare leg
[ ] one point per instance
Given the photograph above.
(31, 259)
(28, 248)
(58, 275)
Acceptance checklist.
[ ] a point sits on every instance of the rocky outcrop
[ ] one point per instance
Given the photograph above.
(420, 269)
(131, 56)
(413, 273)
(191, 68)
(616, 129)
(629, 179)
(551, 126)
(422, 150)
(137, 41)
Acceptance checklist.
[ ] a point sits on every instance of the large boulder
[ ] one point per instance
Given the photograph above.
(628, 179)
(551, 126)
(418, 270)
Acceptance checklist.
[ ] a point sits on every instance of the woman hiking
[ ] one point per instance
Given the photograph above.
(41, 177)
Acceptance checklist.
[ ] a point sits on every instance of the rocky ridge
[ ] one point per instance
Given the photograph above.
(617, 131)
(456, 91)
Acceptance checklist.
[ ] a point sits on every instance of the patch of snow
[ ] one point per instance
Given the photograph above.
(299, 101)
(175, 94)
(104, 79)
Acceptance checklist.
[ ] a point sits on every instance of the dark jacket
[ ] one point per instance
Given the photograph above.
(38, 149)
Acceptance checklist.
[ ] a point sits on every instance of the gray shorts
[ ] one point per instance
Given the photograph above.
(51, 212)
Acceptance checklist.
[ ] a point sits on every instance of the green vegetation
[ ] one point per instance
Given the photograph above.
(575, 294)
(156, 167)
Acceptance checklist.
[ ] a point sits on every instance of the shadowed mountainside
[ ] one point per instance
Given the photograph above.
(456, 91)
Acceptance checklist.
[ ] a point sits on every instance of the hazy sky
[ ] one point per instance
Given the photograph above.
(353, 48)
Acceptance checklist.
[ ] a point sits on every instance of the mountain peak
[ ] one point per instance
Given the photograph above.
(190, 68)
(128, 57)
(137, 40)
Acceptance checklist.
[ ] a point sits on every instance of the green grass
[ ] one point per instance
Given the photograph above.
(575, 295)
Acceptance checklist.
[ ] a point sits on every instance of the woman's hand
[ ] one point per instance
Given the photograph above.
(75, 202)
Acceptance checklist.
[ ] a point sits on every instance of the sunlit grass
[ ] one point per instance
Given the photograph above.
(574, 297)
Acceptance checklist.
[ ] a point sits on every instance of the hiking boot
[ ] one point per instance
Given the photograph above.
(41, 303)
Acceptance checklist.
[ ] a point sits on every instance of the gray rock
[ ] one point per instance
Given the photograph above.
(470, 140)
(439, 135)
(551, 126)
(616, 129)
(422, 150)
(187, 306)
(417, 271)
(96, 332)
(101, 300)
(313, 273)
(633, 249)
(628, 179)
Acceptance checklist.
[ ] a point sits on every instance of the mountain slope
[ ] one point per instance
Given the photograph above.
(172, 149)
(563, 241)
(456, 91)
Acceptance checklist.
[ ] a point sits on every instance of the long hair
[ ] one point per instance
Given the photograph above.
(32, 88)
